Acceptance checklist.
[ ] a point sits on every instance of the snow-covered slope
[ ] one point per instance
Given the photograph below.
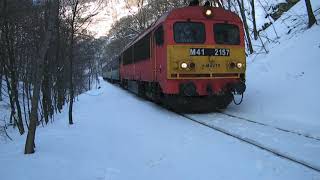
(283, 86)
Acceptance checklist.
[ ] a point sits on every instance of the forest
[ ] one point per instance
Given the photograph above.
(47, 59)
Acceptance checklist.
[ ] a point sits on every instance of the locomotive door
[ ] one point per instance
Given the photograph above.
(157, 44)
(154, 58)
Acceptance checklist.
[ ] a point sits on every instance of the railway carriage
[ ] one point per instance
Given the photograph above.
(191, 58)
(111, 71)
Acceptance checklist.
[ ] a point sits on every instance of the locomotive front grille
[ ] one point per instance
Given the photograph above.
(194, 75)
(205, 76)
(232, 75)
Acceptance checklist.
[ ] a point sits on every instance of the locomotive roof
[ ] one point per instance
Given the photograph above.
(186, 13)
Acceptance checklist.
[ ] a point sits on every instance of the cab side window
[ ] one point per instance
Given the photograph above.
(159, 36)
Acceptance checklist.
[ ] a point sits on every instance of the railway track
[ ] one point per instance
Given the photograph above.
(256, 143)
(271, 126)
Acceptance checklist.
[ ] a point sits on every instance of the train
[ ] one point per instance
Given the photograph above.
(191, 59)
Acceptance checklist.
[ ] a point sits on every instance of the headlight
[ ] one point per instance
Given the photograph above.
(184, 65)
(239, 65)
(208, 12)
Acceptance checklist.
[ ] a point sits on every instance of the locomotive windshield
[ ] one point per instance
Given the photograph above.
(189, 32)
(226, 34)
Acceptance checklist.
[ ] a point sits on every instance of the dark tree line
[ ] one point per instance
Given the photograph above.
(45, 57)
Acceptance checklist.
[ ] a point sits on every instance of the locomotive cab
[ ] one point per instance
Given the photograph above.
(205, 53)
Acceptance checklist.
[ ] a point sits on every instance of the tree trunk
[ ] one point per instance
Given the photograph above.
(1, 72)
(24, 102)
(71, 90)
(11, 69)
(28, 93)
(18, 107)
(253, 12)
(312, 18)
(15, 93)
(30, 144)
(13, 110)
(72, 34)
(46, 93)
(244, 19)
(71, 107)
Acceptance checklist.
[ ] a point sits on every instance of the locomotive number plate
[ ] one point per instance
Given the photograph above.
(209, 52)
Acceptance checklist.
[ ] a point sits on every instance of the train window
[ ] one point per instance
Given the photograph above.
(127, 57)
(159, 36)
(142, 49)
(226, 34)
(189, 32)
(115, 63)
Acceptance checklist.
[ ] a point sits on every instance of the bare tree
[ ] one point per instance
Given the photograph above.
(74, 4)
(246, 28)
(312, 18)
(8, 29)
(30, 144)
(76, 21)
(253, 13)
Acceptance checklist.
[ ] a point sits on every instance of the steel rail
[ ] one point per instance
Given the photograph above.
(268, 125)
(255, 143)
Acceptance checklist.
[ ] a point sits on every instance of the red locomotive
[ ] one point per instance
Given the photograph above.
(191, 58)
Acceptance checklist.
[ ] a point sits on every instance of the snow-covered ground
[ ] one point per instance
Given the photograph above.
(138, 141)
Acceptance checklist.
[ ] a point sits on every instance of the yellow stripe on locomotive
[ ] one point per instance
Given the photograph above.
(189, 62)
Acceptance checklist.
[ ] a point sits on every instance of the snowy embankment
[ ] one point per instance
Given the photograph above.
(283, 86)
(119, 136)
